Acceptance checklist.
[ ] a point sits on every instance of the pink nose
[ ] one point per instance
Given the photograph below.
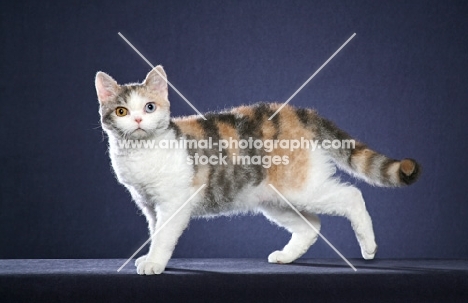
(138, 120)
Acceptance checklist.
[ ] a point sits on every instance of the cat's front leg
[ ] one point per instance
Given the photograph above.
(149, 210)
(167, 233)
(150, 214)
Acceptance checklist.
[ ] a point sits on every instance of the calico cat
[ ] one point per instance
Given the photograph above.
(161, 180)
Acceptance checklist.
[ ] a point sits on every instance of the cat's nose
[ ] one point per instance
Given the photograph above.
(138, 120)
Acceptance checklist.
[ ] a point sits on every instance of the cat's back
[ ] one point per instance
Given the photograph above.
(258, 121)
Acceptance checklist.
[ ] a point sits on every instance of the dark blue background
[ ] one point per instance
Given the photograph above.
(400, 85)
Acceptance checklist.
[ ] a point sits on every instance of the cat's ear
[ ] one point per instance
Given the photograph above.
(156, 81)
(106, 87)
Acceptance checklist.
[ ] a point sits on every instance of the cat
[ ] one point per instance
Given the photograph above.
(161, 180)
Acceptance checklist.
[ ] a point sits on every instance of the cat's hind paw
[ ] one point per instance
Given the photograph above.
(149, 268)
(280, 257)
(139, 260)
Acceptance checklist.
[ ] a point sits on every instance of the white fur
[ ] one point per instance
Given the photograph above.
(159, 190)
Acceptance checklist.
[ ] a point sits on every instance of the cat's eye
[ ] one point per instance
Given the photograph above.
(121, 111)
(150, 107)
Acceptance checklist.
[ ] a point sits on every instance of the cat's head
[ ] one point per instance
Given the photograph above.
(134, 111)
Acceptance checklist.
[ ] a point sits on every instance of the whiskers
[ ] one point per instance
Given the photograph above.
(103, 133)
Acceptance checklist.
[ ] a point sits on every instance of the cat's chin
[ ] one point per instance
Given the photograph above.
(139, 134)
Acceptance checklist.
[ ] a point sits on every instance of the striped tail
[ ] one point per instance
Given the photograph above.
(366, 164)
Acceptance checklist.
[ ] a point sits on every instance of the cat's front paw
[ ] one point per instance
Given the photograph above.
(149, 268)
(369, 256)
(139, 260)
(280, 257)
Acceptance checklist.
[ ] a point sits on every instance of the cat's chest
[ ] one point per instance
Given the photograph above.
(151, 170)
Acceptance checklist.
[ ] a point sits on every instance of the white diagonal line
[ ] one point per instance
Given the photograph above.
(311, 77)
(162, 226)
(313, 227)
(152, 66)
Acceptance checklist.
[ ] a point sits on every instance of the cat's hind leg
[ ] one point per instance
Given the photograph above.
(345, 200)
(303, 236)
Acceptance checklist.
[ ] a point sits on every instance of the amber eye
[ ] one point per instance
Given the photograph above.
(121, 111)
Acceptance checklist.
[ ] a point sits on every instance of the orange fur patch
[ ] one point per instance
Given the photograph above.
(225, 133)
(293, 175)
(190, 126)
(407, 166)
(243, 110)
(268, 130)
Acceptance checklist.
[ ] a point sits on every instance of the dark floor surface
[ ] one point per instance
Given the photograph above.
(235, 280)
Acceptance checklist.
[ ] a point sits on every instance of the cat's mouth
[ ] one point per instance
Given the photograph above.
(139, 133)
